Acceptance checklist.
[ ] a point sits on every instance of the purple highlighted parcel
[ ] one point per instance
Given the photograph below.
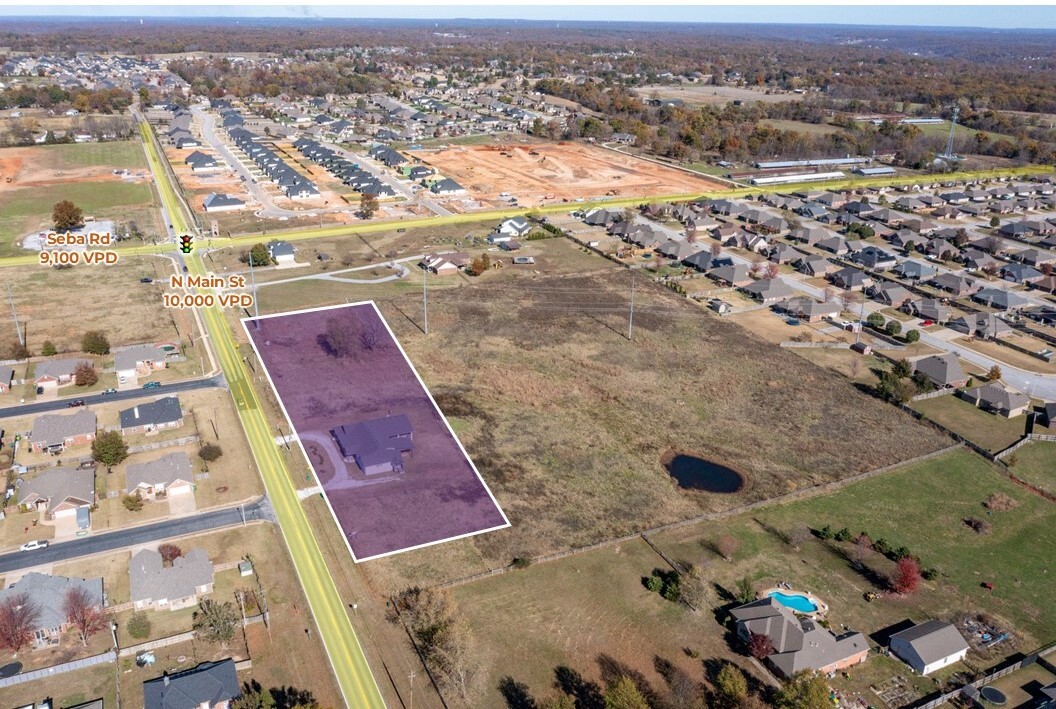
(393, 472)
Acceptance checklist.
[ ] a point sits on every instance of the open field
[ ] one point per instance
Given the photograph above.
(801, 126)
(520, 363)
(992, 433)
(558, 171)
(129, 312)
(1035, 463)
(1010, 356)
(701, 94)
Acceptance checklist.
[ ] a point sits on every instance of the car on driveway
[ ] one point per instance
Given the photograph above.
(75, 402)
(152, 385)
(35, 544)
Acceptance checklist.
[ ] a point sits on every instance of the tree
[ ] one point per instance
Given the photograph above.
(907, 575)
(727, 545)
(993, 374)
(83, 613)
(210, 452)
(257, 256)
(760, 646)
(370, 335)
(169, 553)
(912, 336)
(133, 503)
(109, 448)
(84, 375)
(731, 685)
(138, 626)
(254, 696)
(995, 221)
(875, 320)
(95, 342)
(215, 622)
(66, 215)
(559, 701)
(480, 265)
(48, 348)
(368, 204)
(901, 368)
(806, 690)
(338, 338)
(893, 327)
(623, 694)
(694, 587)
(745, 590)
(18, 619)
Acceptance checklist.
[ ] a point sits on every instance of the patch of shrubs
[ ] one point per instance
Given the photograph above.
(666, 583)
(880, 546)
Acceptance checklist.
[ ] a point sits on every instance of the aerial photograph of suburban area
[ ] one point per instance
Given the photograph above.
(592, 356)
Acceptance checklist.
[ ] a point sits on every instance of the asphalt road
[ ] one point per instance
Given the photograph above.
(124, 395)
(260, 510)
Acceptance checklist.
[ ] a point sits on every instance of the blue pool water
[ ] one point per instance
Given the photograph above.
(794, 601)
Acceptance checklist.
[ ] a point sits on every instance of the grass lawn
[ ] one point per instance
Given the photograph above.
(118, 154)
(992, 433)
(1013, 357)
(67, 690)
(801, 126)
(1035, 463)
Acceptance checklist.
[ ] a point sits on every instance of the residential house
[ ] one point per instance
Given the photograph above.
(810, 310)
(377, 446)
(1036, 257)
(983, 325)
(997, 400)
(835, 244)
(282, 252)
(892, 294)
(735, 275)
(850, 278)
(800, 644)
(53, 373)
(929, 646)
(955, 284)
(928, 309)
(7, 376)
(219, 202)
(875, 258)
(783, 253)
(678, 250)
(169, 473)
(811, 235)
(210, 685)
(48, 594)
(768, 290)
(1000, 298)
(56, 432)
(914, 270)
(516, 226)
(1021, 273)
(152, 416)
(942, 370)
(704, 261)
(62, 494)
(447, 186)
(815, 266)
(139, 361)
(200, 162)
(156, 586)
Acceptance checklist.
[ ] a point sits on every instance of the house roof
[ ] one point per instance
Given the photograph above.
(944, 368)
(807, 307)
(1000, 298)
(209, 683)
(932, 640)
(376, 441)
(997, 397)
(130, 358)
(58, 367)
(217, 199)
(53, 429)
(164, 470)
(49, 594)
(57, 485)
(280, 248)
(150, 580)
(7, 373)
(769, 288)
(154, 413)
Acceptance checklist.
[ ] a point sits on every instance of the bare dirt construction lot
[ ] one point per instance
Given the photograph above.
(701, 94)
(549, 172)
(567, 420)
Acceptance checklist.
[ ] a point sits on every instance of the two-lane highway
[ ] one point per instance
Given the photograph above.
(40, 407)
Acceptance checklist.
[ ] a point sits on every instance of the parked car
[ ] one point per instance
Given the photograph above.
(146, 279)
(35, 544)
(75, 402)
(109, 391)
(152, 385)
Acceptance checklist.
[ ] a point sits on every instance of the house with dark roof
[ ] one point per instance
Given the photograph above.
(875, 258)
(892, 294)
(156, 586)
(282, 252)
(735, 275)
(800, 644)
(929, 646)
(48, 594)
(1000, 298)
(942, 370)
(201, 162)
(850, 278)
(914, 270)
(446, 186)
(768, 290)
(377, 446)
(56, 432)
(219, 202)
(210, 685)
(810, 310)
(956, 284)
(997, 400)
(815, 266)
(152, 416)
(985, 325)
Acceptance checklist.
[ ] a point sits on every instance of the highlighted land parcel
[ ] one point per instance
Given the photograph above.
(392, 471)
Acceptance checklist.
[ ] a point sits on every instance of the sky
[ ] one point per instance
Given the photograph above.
(906, 14)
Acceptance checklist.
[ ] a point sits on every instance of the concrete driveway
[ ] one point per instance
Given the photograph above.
(181, 503)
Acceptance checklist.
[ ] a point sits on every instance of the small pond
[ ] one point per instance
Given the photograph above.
(694, 473)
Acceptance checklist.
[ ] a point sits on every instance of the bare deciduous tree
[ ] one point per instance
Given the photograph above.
(18, 617)
(82, 613)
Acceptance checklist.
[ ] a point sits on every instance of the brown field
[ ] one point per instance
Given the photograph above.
(701, 94)
(43, 166)
(560, 171)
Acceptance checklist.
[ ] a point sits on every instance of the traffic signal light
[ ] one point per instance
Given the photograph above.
(185, 243)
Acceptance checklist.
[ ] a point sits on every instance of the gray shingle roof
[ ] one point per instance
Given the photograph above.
(57, 367)
(59, 484)
(150, 580)
(209, 683)
(377, 441)
(932, 640)
(53, 429)
(164, 470)
(943, 369)
(154, 413)
(128, 359)
(49, 594)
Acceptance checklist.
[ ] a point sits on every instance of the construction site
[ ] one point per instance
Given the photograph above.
(558, 172)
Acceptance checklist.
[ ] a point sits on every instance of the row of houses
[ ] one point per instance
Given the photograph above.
(54, 433)
(348, 172)
(292, 183)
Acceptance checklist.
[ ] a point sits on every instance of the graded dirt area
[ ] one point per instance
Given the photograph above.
(41, 166)
(545, 173)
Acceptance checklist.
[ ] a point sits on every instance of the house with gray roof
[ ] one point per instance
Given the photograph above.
(220, 202)
(152, 416)
(850, 278)
(892, 294)
(942, 370)
(956, 284)
(60, 493)
(985, 325)
(139, 361)
(928, 309)
(201, 162)
(56, 432)
(1000, 298)
(810, 310)
(769, 290)
(800, 644)
(7, 375)
(735, 275)
(168, 473)
(159, 587)
(929, 646)
(210, 685)
(48, 594)
(997, 400)
(914, 270)
(378, 445)
(53, 373)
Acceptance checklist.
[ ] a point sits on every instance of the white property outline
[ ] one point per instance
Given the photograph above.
(428, 393)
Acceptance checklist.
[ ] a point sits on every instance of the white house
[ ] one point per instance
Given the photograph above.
(929, 646)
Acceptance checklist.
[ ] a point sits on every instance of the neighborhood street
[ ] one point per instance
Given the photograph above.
(122, 395)
(259, 511)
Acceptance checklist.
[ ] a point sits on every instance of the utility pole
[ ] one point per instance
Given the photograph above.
(425, 296)
(253, 285)
(630, 319)
(861, 320)
(411, 677)
(14, 316)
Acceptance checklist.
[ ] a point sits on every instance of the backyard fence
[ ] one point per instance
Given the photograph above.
(47, 672)
(999, 671)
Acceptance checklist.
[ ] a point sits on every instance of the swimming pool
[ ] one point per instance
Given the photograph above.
(795, 601)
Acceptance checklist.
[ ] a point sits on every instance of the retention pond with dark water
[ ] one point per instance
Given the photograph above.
(694, 473)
